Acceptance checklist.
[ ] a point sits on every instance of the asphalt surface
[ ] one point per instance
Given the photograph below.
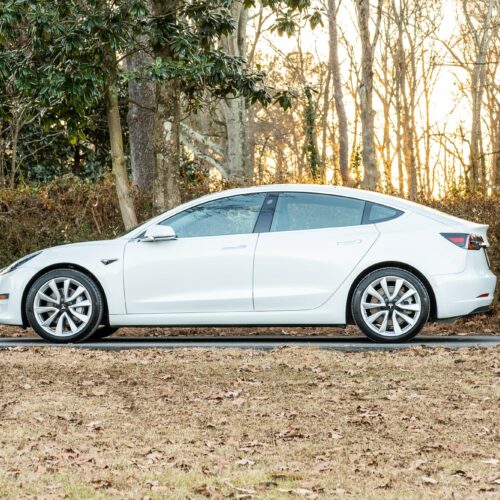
(259, 342)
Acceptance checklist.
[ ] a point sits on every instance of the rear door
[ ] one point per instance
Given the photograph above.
(314, 242)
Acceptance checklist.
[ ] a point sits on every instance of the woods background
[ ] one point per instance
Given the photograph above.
(113, 111)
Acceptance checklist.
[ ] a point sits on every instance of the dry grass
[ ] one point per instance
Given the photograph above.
(291, 422)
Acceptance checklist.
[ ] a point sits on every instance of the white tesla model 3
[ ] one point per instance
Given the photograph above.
(273, 255)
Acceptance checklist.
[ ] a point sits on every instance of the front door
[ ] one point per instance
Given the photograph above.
(208, 268)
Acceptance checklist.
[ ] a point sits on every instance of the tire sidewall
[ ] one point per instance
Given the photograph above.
(94, 292)
(379, 273)
(102, 332)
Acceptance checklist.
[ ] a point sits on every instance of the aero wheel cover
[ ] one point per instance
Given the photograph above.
(63, 307)
(391, 306)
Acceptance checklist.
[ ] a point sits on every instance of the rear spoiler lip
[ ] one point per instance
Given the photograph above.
(480, 230)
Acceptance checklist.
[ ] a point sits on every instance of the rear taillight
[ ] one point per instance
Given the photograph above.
(464, 240)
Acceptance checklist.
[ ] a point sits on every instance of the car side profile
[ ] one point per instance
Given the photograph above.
(270, 255)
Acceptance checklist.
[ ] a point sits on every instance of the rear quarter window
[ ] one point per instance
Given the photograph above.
(376, 213)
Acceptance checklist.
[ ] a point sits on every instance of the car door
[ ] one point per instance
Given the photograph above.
(314, 242)
(208, 268)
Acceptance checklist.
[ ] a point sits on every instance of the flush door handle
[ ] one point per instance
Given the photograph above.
(350, 242)
(237, 247)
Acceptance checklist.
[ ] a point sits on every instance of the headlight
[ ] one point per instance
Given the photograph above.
(19, 263)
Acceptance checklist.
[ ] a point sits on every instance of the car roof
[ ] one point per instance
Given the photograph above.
(361, 194)
(315, 188)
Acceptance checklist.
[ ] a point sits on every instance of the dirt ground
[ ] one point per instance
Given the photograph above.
(289, 423)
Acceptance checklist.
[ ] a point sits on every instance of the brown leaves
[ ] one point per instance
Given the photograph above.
(459, 448)
(245, 462)
(428, 480)
(95, 425)
(208, 491)
(284, 424)
(334, 435)
(291, 432)
(101, 483)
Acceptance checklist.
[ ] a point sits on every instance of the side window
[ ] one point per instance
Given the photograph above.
(298, 211)
(381, 213)
(233, 215)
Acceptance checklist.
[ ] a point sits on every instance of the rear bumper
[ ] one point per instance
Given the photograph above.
(459, 294)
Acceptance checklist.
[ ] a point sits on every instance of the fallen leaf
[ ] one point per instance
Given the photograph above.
(428, 480)
(95, 425)
(208, 491)
(490, 461)
(334, 435)
(245, 461)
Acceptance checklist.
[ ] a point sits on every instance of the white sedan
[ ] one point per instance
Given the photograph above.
(273, 255)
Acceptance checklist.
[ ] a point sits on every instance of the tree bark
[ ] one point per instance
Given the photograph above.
(140, 119)
(478, 78)
(166, 184)
(365, 92)
(238, 164)
(166, 179)
(405, 109)
(338, 94)
(2, 158)
(125, 201)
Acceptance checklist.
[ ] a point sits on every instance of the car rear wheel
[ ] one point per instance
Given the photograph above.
(64, 305)
(390, 305)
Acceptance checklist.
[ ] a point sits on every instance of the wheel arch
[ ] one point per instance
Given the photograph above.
(62, 265)
(381, 265)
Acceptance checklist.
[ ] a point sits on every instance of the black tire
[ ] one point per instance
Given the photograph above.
(93, 313)
(103, 332)
(418, 298)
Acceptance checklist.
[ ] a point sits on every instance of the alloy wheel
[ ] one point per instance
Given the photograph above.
(63, 306)
(391, 306)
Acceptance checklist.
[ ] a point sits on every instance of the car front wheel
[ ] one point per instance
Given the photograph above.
(102, 332)
(390, 305)
(64, 305)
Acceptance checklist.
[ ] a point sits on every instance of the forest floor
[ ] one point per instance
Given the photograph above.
(292, 422)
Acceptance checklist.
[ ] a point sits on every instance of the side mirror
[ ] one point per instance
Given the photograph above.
(159, 233)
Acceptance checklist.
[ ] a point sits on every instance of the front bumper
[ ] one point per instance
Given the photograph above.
(459, 294)
(14, 284)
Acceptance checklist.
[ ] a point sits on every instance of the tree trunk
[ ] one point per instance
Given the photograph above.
(338, 92)
(311, 143)
(365, 91)
(2, 161)
(125, 201)
(427, 132)
(495, 174)
(399, 147)
(16, 127)
(238, 163)
(166, 179)
(406, 120)
(140, 119)
(166, 187)
(237, 151)
(478, 79)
